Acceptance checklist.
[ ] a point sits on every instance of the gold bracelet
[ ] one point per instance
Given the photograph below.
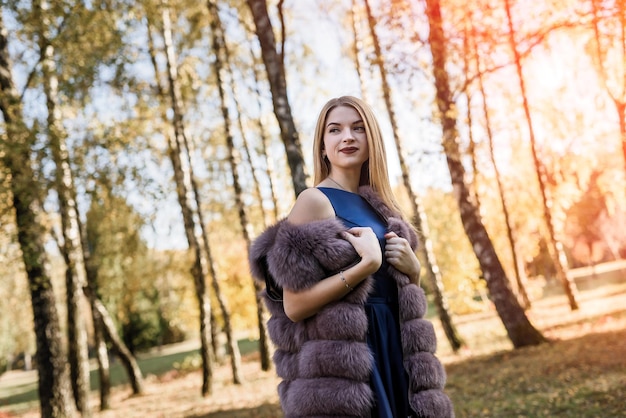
(343, 279)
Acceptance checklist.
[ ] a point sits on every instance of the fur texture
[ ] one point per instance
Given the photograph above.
(324, 361)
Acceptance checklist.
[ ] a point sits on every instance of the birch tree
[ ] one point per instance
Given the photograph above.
(54, 388)
(94, 253)
(419, 216)
(480, 74)
(275, 68)
(221, 64)
(185, 192)
(554, 245)
(608, 20)
(70, 249)
(264, 136)
(518, 327)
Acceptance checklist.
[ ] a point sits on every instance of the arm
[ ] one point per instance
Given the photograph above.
(313, 205)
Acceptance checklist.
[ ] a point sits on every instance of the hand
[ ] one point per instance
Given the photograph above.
(398, 253)
(366, 244)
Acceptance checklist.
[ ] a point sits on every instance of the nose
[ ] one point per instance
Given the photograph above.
(347, 135)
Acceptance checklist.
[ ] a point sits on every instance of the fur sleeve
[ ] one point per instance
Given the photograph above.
(298, 256)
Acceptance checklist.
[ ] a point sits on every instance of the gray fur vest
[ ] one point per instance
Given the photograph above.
(324, 361)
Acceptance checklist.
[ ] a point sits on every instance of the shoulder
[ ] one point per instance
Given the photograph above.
(311, 205)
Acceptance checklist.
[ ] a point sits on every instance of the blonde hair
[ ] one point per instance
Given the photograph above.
(374, 172)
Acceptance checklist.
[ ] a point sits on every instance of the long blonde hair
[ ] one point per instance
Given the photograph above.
(374, 172)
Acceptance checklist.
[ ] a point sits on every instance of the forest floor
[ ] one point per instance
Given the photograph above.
(580, 372)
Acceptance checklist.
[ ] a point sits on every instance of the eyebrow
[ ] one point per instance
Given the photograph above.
(337, 123)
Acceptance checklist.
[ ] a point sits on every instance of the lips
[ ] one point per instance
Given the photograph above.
(349, 150)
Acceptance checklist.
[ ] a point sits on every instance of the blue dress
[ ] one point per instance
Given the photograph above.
(388, 379)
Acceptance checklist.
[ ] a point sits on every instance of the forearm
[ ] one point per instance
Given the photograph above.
(306, 303)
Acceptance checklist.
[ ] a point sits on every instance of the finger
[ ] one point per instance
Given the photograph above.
(391, 246)
(389, 235)
(347, 235)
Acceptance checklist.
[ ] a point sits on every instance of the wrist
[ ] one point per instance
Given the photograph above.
(366, 267)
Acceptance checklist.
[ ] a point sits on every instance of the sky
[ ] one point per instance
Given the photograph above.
(325, 70)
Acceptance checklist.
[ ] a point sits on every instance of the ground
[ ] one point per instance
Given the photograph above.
(580, 373)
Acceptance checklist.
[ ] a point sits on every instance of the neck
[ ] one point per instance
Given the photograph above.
(353, 189)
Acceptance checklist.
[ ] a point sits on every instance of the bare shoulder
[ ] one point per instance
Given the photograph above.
(311, 205)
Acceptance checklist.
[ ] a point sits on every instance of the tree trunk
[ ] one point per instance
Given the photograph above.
(78, 352)
(419, 217)
(618, 96)
(354, 18)
(184, 189)
(518, 327)
(471, 147)
(278, 86)
(219, 47)
(517, 267)
(100, 317)
(102, 356)
(296, 163)
(268, 161)
(555, 246)
(55, 396)
(264, 342)
(105, 330)
(110, 331)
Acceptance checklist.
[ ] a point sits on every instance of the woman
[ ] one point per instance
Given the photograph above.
(346, 312)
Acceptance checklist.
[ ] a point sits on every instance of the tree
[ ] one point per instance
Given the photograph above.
(54, 385)
(77, 76)
(110, 239)
(554, 245)
(222, 60)
(70, 249)
(518, 327)
(185, 191)
(605, 14)
(355, 48)
(517, 267)
(264, 142)
(275, 68)
(419, 216)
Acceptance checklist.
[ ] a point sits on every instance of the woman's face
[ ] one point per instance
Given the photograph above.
(345, 141)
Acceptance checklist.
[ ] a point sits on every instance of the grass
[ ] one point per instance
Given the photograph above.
(581, 372)
(580, 377)
(23, 396)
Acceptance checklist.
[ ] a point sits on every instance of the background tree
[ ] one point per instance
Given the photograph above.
(183, 178)
(220, 51)
(64, 186)
(520, 330)
(275, 68)
(117, 121)
(608, 21)
(54, 385)
(16, 343)
(419, 219)
(508, 223)
(555, 246)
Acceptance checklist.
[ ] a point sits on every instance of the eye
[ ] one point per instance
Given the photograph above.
(359, 128)
(333, 130)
